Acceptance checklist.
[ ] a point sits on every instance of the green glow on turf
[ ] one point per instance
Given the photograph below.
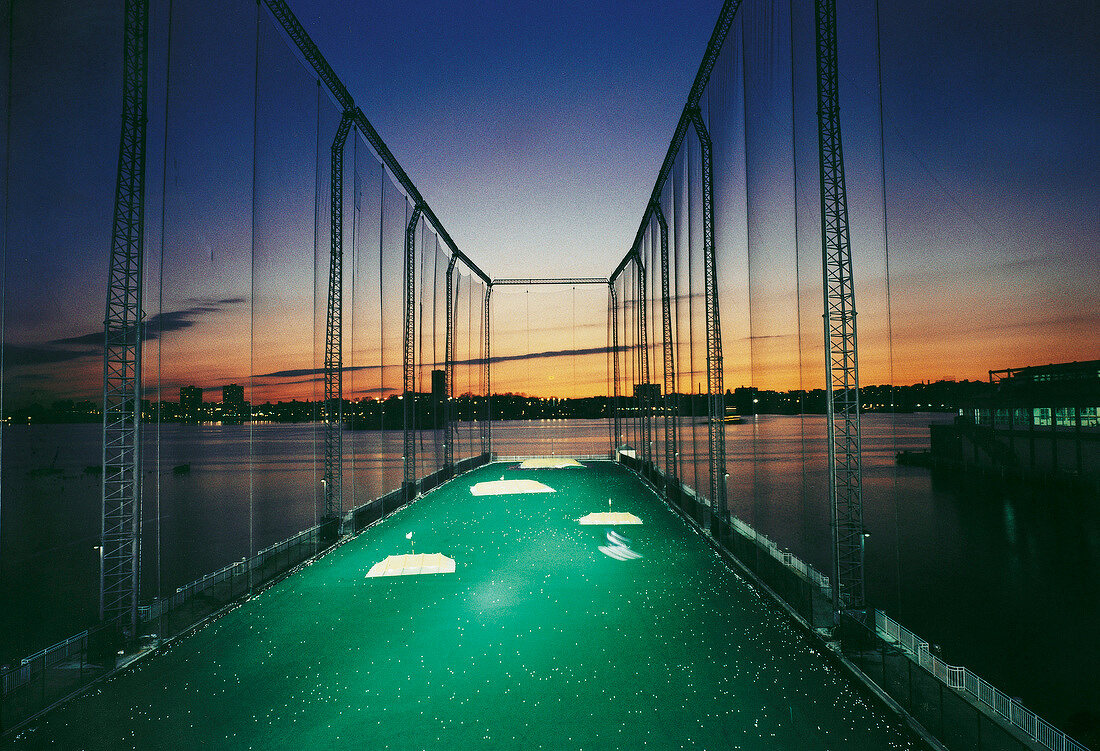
(536, 641)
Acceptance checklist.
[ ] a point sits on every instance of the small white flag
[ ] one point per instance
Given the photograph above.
(409, 536)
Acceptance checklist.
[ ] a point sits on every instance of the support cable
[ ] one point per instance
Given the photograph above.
(642, 402)
(316, 252)
(160, 290)
(4, 231)
(418, 347)
(252, 310)
(574, 281)
(607, 376)
(757, 516)
(804, 510)
(889, 299)
(573, 344)
(351, 368)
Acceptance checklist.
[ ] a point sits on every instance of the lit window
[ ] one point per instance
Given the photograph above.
(1065, 417)
(1041, 415)
(1090, 417)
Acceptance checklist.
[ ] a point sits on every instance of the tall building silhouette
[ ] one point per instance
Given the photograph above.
(190, 398)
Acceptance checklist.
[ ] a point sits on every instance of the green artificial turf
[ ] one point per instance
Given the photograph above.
(537, 641)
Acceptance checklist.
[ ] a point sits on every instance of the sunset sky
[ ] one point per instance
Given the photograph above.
(535, 131)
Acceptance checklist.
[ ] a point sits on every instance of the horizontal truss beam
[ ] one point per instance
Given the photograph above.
(525, 282)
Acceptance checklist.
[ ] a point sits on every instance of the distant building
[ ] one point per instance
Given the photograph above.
(234, 407)
(190, 398)
(647, 393)
(1038, 421)
(439, 385)
(233, 396)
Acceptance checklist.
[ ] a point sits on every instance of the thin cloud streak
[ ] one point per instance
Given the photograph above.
(91, 344)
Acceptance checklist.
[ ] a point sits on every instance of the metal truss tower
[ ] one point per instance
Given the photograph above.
(668, 355)
(617, 437)
(334, 357)
(716, 398)
(448, 406)
(121, 509)
(487, 440)
(841, 363)
(409, 361)
(692, 117)
(643, 340)
(297, 34)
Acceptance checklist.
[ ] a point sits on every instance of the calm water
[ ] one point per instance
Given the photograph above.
(1003, 579)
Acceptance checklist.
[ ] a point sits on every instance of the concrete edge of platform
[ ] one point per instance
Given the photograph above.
(837, 657)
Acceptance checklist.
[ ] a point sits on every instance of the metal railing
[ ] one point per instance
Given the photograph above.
(239, 568)
(53, 655)
(963, 680)
(785, 557)
(792, 581)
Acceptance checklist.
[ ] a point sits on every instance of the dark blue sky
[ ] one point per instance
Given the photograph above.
(529, 122)
(535, 129)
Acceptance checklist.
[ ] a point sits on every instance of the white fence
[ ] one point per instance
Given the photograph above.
(240, 568)
(45, 658)
(963, 680)
(787, 558)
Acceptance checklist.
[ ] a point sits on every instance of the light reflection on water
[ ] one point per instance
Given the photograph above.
(1002, 578)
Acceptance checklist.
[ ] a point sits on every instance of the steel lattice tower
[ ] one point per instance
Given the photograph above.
(448, 406)
(617, 438)
(716, 398)
(121, 508)
(410, 353)
(668, 355)
(841, 363)
(643, 343)
(334, 357)
(692, 117)
(487, 440)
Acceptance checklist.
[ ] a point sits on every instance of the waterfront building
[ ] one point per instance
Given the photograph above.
(1041, 421)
